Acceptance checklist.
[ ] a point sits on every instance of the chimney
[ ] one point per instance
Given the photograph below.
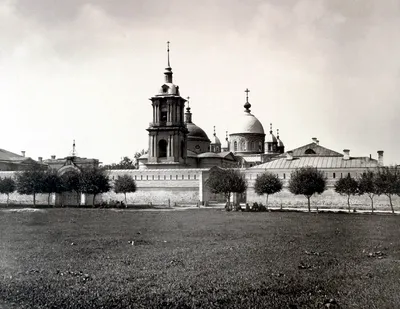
(315, 140)
(53, 157)
(40, 159)
(346, 154)
(380, 157)
(23, 153)
(289, 156)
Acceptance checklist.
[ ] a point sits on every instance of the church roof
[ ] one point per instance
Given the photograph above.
(323, 162)
(196, 133)
(247, 123)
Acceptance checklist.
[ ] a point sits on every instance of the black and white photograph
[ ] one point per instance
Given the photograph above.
(199, 154)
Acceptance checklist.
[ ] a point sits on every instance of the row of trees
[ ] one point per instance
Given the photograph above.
(93, 180)
(308, 181)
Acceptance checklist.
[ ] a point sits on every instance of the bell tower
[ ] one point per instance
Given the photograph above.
(167, 131)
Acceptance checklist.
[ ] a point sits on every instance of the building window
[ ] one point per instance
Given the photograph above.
(349, 175)
(165, 177)
(235, 146)
(141, 177)
(176, 177)
(188, 176)
(194, 176)
(183, 177)
(284, 176)
(153, 177)
(162, 148)
(253, 146)
(170, 177)
(147, 177)
(182, 149)
(309, 151)
(135, 177)
(334, 175)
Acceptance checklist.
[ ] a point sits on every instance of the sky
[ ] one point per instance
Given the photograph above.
(85, 70)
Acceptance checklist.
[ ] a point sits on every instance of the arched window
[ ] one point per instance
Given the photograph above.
(253, 146)
(309, 151)
(235, 146)
(243, 146)
(163, 112)
(162, 148)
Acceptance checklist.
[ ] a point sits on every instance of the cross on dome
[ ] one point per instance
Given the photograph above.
(247, 105)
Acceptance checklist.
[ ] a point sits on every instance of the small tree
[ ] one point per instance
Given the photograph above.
(94, 181)
(226, 181)
(267, 183)
(307, 181)
(387, 182)
(52, 183)
(347, 186)
(30, 182)
(7, 186)
(125, 184)
(71, 182)
(366, 185)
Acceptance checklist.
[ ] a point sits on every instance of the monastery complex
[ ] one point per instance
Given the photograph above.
(180, 156)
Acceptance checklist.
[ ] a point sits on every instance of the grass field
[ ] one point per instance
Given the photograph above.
(201, 258)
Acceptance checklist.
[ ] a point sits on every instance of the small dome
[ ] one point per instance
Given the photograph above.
(280, 143)
(248, 123)
(215, 140)
(271, 138)
(196, 133)
(169, 89)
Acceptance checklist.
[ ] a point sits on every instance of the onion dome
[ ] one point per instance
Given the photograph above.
(195, 132)
(247, 122)
(271, 137)
(215, 139)
(280, 143)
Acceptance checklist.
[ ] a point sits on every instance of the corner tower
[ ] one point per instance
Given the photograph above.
(167, 132)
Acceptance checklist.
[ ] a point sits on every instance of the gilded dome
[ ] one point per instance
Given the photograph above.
(196, 133)
(248, 123)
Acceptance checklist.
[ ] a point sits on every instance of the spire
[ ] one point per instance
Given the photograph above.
(188, 114)
(168, 70)
(214, 132)
(277, 133)
(247, 105)
(270, 128)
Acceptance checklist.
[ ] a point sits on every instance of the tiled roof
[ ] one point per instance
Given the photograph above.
(318, 162)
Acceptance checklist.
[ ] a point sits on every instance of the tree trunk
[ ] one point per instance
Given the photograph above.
(348, 202)
(308, 200)
(94, 197)
(391, 204)
(78, 198)
(34, 199)
(125, 199)
(266, 205)
(48, 200)
(372, 203)
(8, 198)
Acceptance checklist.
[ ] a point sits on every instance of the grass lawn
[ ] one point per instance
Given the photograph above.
(200, 258)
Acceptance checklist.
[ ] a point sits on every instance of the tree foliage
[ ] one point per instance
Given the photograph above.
(7, 186)
(71, 182)
(367, 185)
(226, 181)
(30, 182)
(307, 181)
(267, 184)
(347, 186)
(125, 184)
(52, 183)
(94, 180)
(387, 182)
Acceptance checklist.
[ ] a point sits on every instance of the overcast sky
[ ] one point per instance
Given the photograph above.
(85, 70)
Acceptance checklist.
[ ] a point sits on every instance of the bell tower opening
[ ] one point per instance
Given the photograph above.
(162, 148)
